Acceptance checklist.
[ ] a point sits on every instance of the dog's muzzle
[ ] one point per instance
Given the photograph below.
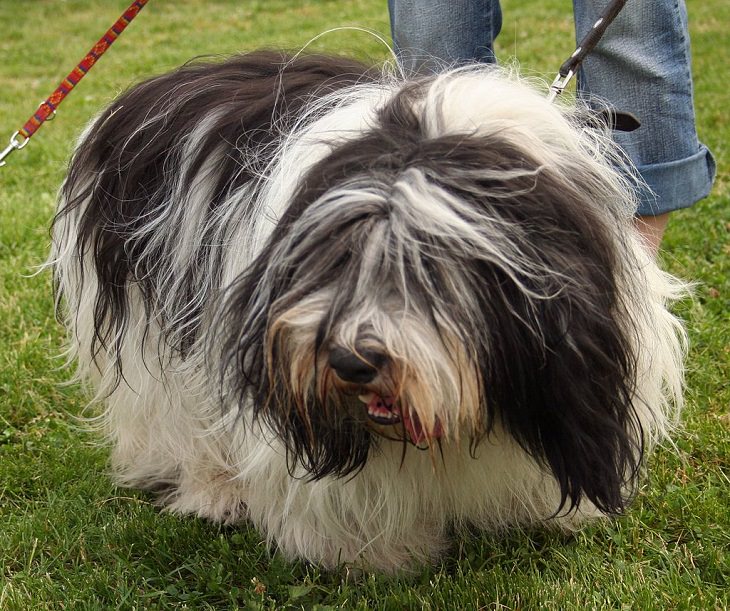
(363, 369)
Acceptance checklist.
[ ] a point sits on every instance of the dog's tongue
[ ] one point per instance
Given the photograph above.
(384, 410)
(415, 429)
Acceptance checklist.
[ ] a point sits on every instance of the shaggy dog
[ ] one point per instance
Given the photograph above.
(362, 311)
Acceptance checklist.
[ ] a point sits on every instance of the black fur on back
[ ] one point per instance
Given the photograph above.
(126, 166)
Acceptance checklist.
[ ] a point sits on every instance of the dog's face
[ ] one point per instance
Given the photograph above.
(455, 268)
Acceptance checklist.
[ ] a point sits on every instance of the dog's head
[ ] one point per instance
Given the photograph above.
(464, 262)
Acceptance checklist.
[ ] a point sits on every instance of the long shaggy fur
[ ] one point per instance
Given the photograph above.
(360, 311)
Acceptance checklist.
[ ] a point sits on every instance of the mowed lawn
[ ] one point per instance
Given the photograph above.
(70, 540)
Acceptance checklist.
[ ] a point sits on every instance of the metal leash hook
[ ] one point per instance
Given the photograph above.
(559, 84)
(14, 145)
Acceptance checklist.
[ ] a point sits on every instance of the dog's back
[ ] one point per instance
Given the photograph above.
(166, 157)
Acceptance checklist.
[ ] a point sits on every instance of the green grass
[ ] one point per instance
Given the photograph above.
(69, 539)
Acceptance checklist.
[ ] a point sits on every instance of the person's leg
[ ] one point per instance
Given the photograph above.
(429, 34)
(642, 65)
(652, 227)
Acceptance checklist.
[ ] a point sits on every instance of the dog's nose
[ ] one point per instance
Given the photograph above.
(359, 368)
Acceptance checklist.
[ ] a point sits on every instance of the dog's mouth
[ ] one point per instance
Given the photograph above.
(382, 410)
(387, 411)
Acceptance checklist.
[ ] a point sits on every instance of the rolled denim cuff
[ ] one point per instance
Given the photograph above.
(675, 184)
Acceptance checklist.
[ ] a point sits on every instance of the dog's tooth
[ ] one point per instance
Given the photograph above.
(393, 417)
(381, 409)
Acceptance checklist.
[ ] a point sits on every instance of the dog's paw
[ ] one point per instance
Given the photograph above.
(219, 499)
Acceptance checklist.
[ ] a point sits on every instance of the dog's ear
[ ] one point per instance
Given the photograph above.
(560, 378)
(551, 319)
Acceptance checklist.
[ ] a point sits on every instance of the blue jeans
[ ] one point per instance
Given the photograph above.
(642, 65)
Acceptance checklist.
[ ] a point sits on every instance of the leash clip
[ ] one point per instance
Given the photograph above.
(559, 84)
(14, 145)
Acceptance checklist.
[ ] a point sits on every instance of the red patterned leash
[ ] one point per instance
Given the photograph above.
(47, 109)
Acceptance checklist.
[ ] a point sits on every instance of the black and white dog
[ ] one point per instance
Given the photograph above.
(362, 311)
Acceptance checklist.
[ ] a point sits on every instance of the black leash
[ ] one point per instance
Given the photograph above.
(613, 119)
(570, 66)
